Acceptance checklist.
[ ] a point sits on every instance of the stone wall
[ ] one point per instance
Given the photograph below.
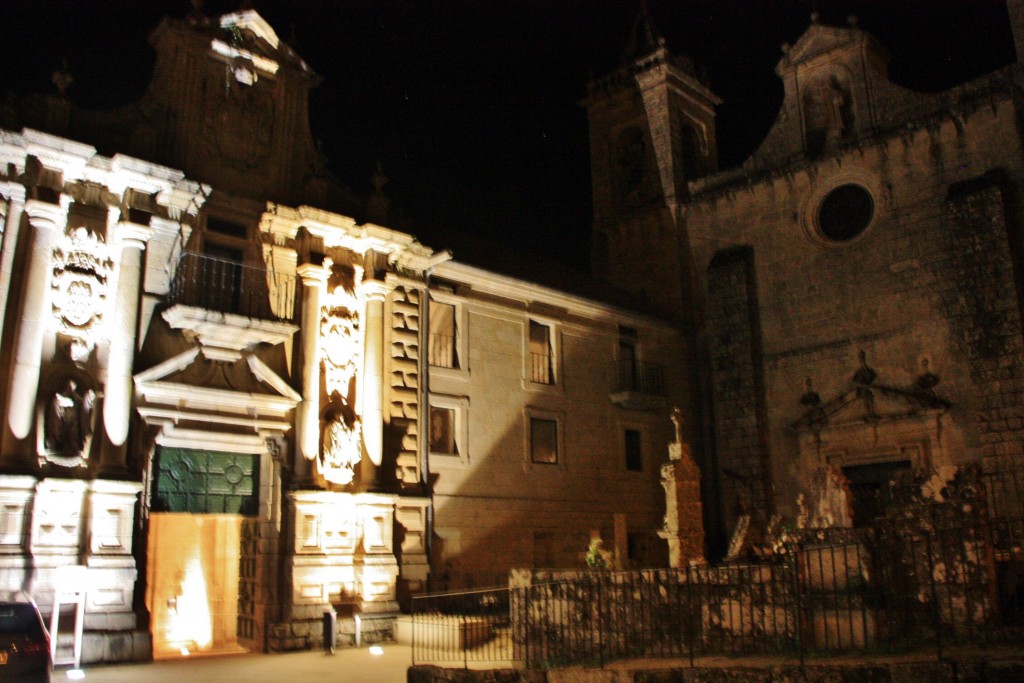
(737, 383)
(494, 509)
(977, 287)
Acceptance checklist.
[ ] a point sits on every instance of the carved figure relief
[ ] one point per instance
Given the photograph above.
(342, 450)
(341, 344)
(340, 340)
(81, 268)
(67, 423)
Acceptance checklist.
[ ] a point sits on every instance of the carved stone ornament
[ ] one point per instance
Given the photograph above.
(341, 343)
(81, 269)
(342, 451)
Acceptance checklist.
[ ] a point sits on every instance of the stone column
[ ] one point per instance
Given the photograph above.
(117, 400)
(46, 221)
(15, 208)
(373, 383)
(314, 280)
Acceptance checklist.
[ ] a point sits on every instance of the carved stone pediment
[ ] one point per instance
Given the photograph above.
(873, 423)
(867, 405)
(249, 402)
(818, 40)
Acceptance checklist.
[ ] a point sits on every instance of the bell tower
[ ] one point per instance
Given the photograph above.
(652, 131)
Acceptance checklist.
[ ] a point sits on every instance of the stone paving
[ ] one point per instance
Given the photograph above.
(355, 665)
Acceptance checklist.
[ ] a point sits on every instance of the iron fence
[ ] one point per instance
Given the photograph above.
(228, 286)
(462, 626)
(891, 588)
(639, 376)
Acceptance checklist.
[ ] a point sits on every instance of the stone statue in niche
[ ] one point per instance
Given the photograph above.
(68, 420)
(837, 108)
(828, 114)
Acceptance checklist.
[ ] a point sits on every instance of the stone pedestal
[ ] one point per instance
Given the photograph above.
(684, 520)
(411, 516)
(342, 556)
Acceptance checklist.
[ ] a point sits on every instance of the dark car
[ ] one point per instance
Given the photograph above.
(24, 642)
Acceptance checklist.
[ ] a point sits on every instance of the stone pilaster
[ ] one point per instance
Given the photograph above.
(12, 226)
(307, 441)
(46, 220)
(373, 382)
(117, 401)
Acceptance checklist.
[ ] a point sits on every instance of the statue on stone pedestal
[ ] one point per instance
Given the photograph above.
(684, 524)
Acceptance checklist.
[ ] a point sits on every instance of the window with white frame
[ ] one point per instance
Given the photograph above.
(544, 440)
(541, 355)
(447, 430)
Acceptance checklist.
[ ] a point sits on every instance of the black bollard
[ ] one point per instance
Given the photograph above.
(330, 630)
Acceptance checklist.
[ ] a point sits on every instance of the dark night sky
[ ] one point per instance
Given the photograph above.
(471, 105)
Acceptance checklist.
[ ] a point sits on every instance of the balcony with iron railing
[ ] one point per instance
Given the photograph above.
(639, 385)
(226, 286)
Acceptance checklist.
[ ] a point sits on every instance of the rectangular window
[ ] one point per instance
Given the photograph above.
(543, 441)
(442, 335)
(628, 369)
(227, 228)
(442, 431)
(541, 365)
(634, 452)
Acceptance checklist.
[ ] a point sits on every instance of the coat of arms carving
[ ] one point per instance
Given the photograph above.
(81, 270)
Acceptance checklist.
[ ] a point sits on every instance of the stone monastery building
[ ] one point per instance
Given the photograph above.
(233, 397)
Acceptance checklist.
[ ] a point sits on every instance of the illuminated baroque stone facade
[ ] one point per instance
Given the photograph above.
(236, 405)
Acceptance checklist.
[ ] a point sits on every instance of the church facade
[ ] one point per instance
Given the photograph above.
(233, 399)
(853, 288)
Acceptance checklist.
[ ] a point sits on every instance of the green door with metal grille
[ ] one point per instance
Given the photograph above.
(188, 480)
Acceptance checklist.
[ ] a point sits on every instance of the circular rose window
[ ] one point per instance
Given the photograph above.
(845, 212)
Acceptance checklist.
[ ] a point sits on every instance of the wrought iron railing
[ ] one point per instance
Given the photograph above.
(540, 368)
(462, 626)
(228, 286)
(888, 590)
(640, 377)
